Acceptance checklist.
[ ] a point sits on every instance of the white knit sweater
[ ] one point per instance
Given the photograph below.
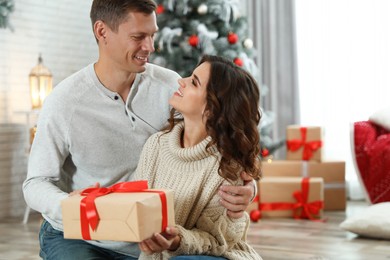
(204, 227)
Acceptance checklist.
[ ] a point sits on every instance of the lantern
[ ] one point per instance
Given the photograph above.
(41, 84)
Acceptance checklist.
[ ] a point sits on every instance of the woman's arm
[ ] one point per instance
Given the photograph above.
(214, 233)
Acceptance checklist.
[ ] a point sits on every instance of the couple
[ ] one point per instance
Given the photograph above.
(209, 151)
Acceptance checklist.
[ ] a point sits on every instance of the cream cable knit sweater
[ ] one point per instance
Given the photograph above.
(192, 174)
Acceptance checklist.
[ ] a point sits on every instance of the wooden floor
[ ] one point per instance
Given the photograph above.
(303, 239)
(272, 238)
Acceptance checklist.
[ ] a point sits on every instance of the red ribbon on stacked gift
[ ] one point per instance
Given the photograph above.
(308, 147)
(302, 209)
(89, 215)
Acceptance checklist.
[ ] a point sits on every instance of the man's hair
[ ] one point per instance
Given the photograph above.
(114, 12)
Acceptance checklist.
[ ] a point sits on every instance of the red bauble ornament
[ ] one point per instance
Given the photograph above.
(255, 215)
(264, 152)
(232, 38)
(160, 9)
(193, 40)
(238, 62)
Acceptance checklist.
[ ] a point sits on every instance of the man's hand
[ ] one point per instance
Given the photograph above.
(237, 198)
(97, 185)
(168, 240)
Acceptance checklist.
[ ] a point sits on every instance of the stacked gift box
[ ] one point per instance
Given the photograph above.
(283, 179)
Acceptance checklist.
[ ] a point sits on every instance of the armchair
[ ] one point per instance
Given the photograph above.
(371, 154)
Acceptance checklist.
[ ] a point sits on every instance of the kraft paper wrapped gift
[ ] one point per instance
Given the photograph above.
(123, 216)
(304, 143)
(277, 198)
(333, 173)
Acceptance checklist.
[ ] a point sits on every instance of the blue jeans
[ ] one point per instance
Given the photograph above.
(55, 247)
(197, 257)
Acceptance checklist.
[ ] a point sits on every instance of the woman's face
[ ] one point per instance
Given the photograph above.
(190, 98)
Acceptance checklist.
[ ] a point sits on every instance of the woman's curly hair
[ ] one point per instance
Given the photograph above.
(232, 109)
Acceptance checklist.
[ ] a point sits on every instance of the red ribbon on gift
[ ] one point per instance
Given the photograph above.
(308, 147)
(89, 216)
(302, 208)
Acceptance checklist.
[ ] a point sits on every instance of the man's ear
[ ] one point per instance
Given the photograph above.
(100, 31)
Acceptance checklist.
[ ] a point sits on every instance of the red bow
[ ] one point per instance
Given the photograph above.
(308, 147)
(89, 215)
(307, 210)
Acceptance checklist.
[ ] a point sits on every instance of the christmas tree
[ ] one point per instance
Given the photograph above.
(191, 28)
(6, 8)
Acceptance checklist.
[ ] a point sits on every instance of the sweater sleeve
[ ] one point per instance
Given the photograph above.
(47, 155)
(215, 234)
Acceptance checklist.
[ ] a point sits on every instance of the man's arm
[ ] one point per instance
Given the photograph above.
(47, 154)
(237, 198)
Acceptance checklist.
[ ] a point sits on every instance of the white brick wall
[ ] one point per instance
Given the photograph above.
(61, 31)
(13, 164)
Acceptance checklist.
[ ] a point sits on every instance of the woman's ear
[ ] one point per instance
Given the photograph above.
(205, 113)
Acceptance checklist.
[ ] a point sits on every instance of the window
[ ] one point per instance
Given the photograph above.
(343, 50)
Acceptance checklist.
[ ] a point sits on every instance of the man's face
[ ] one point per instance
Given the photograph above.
(129, 48)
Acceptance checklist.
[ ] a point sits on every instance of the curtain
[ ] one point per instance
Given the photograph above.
(272, 26)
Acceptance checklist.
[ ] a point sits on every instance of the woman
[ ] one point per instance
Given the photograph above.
(211, 139)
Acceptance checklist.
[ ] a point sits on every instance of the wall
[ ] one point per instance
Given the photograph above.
(13, 164)
(59, 30)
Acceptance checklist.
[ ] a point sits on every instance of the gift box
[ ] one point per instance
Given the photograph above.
(291, 197)
(304, 143)
(333, 173)
(118, 213)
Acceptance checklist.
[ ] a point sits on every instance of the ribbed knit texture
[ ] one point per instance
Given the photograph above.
(192, 174)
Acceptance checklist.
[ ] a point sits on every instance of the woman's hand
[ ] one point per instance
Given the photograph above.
(237, 198)
(168, 240)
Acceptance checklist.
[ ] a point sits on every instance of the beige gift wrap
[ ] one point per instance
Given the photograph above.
(333, 173)
(304, 143)
(289, 197)
(122, 216)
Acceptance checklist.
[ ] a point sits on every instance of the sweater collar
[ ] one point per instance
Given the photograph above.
(107, 92)
(193, 153)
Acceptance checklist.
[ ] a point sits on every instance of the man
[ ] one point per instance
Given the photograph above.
(94, 124)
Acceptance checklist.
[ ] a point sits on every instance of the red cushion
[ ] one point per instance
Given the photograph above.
(372, 152)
